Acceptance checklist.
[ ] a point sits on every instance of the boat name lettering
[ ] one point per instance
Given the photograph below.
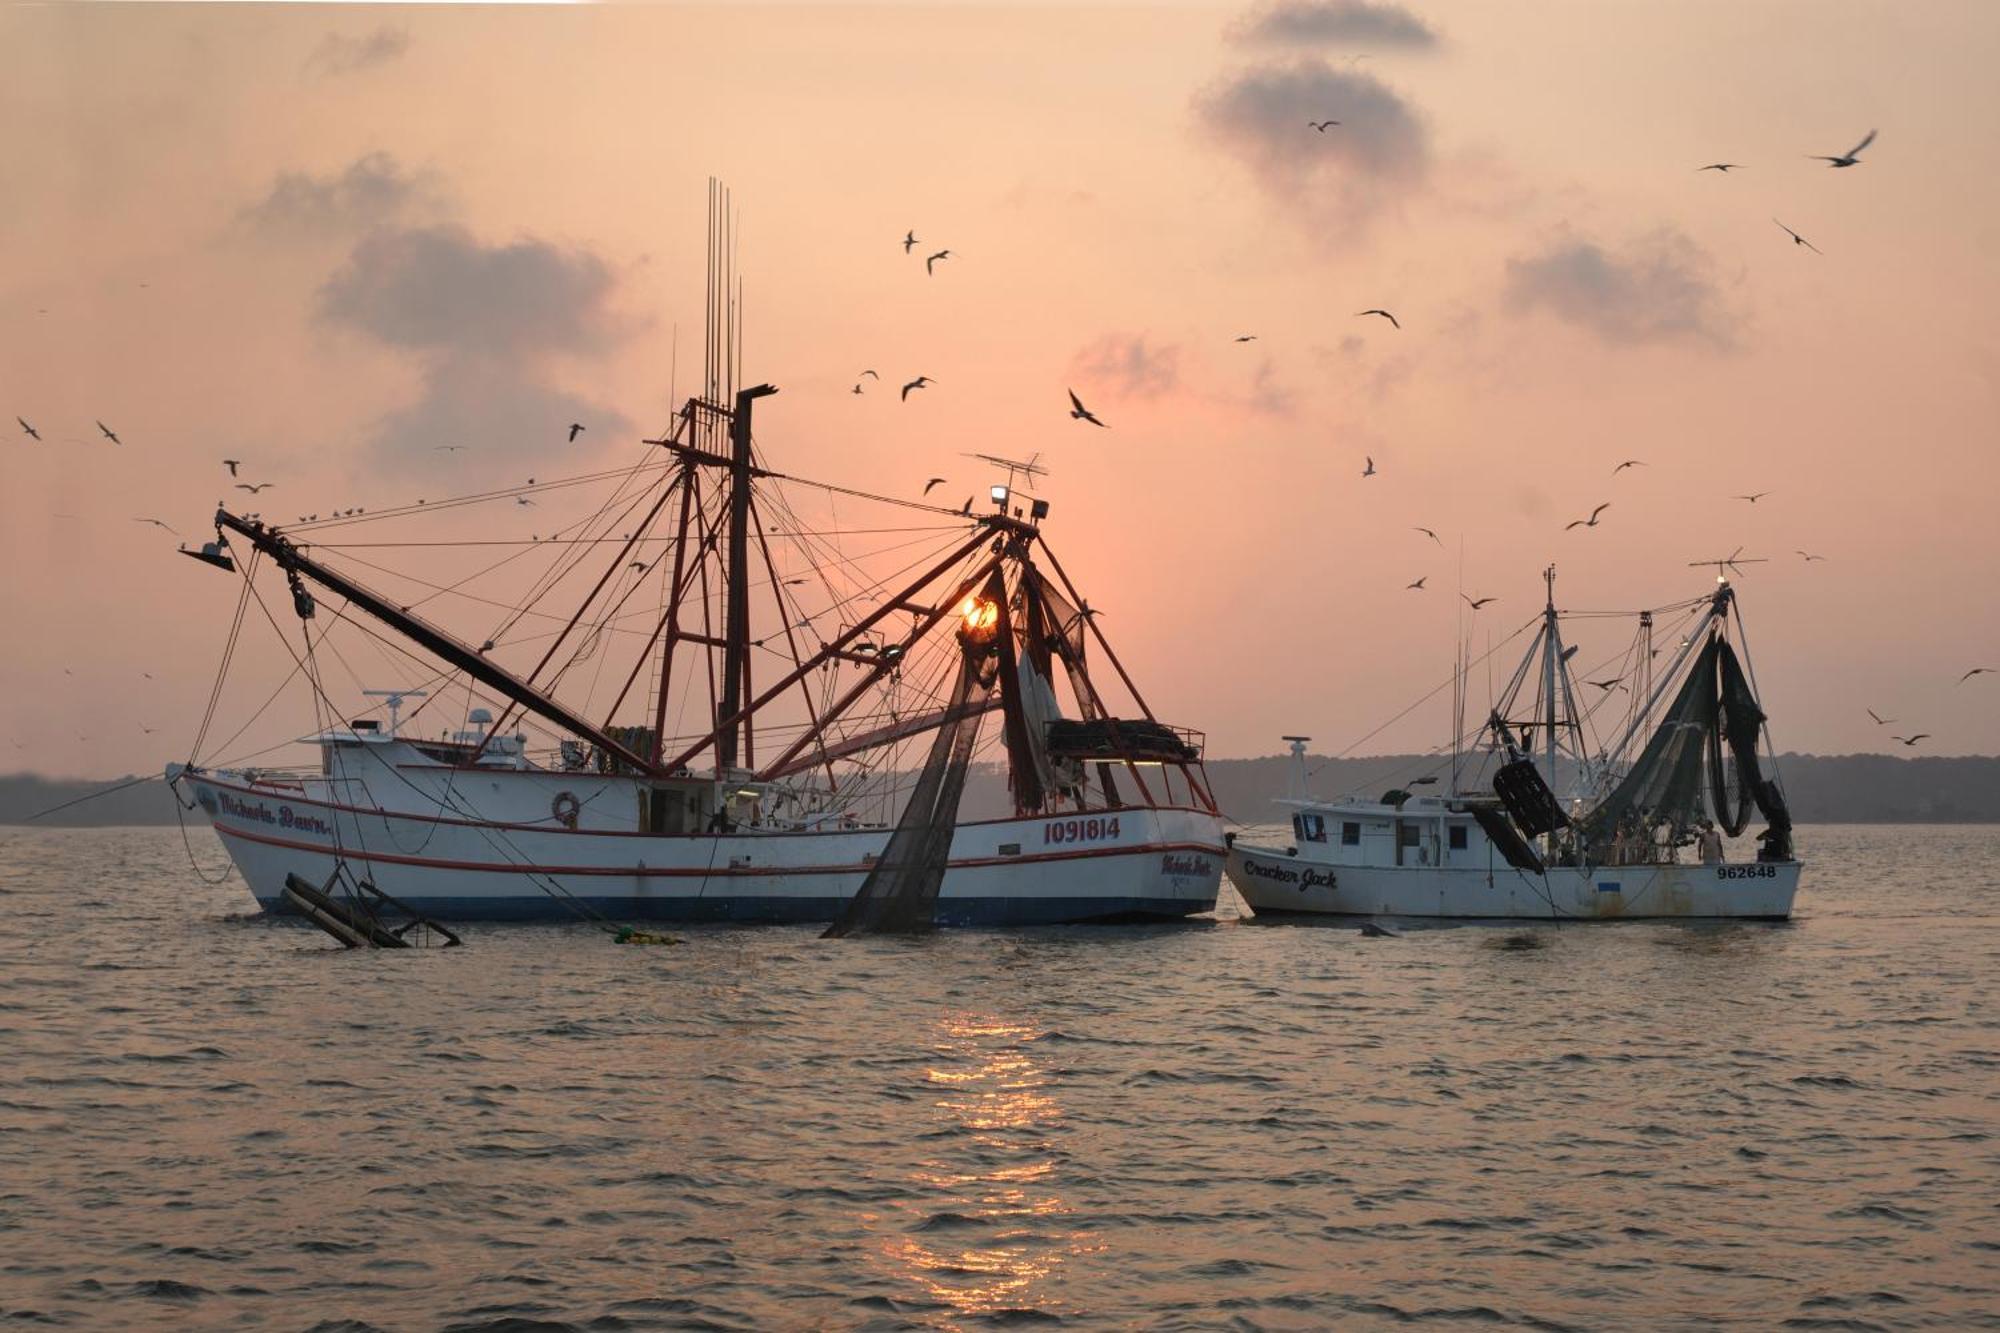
(1746, 872)
(283, 817)
(1094, 829)
(1279, 873)
(260, 812)
(1322, 879)
(303, 823)
(1172, 863)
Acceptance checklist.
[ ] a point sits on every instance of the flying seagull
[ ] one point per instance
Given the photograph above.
(233, 463)
(920, 382)
(966, 508)
(1976, 671)
(436, 448)
(942, 254)
(1475, 605)
(26, 427)
(522, 500)
(1246, 338)
(1880, 721)
(109, 433)
(1383, 313)
(1912, 740)
(1321, 125)
(1809, 557)
(870, 375)
(934, 481)
(909, 240)
(1606, 685)
(1080, 412)
(575, 429)
(1630, 462)
(1368, 471)
(1723, 167)
(158, 524)
(1590, 522)
(1428, 533)
(1848, 158)
(1753, 499)
(1798, 239)
(855, 389)
(1418, 585)
(260, 486)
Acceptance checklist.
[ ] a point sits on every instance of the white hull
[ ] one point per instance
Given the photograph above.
(512, 861)
(1272, 881)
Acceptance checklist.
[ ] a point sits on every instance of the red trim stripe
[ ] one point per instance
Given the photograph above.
(718, 872)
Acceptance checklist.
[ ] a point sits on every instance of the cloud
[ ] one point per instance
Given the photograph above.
(1660, 289)
(1259, 115)
(374, 189)
(1129, 366)
(1328, 22)
(338, 53)
(488, 320)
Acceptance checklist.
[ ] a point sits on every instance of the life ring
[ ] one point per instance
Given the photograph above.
(565, 807)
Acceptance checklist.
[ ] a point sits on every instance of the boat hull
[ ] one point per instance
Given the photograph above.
(1125, 864)
(1272, 881)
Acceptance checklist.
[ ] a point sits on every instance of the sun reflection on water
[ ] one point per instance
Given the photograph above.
(992, 1236)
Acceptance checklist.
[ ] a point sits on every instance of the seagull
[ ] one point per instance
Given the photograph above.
(1590, 522)
(232, 464)
(1753, 499)
(1630, 462)
(1081, 413)
(920, 382)
(1368, 471)
(1809, 558)
(1245, 338)
(1723, 167)
(445, 448)
(1798, 239)
(855, 389)
(1880, 721)
(260, 486)
(1418, 585)
(26, 427)
(158, 524)
(1475, 605)
(1606, 685)
(934, 481)
(1976, 671)
(870, 375)
(966, 508)
(1847, 159)
(909, 241)
(1428, 533)
(1321, 125)
(522, 500)
(575, 429)
(1912, 740)
(1383, 313)
(942, 254)
(109, 433)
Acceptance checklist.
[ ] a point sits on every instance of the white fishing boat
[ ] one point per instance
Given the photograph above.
(842, 681)
(1638, 835)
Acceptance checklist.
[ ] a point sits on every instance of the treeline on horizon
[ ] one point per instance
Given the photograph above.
(1822, 789)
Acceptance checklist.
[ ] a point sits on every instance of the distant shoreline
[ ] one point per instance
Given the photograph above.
(1821, 789)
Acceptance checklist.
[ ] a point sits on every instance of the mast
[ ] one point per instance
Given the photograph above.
(736, 634)
(1551, 649)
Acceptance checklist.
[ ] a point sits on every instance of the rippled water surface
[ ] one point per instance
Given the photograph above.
(209, 1119)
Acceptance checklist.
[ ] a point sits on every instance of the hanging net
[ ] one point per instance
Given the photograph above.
(899, 896)
(1665, 783)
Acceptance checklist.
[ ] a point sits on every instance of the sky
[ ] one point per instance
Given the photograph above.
(323, 240)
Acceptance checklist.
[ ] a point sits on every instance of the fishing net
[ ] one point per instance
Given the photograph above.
(899, 896)
(1664, 785)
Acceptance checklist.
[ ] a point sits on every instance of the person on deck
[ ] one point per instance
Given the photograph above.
(1711, 844)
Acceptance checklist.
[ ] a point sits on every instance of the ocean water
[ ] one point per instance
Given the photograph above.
(213, 1120)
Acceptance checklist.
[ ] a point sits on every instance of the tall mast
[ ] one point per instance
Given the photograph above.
(736, 632)
(1551, 649)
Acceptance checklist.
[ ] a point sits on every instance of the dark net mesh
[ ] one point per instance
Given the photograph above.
(1664, 787)
(899, 896)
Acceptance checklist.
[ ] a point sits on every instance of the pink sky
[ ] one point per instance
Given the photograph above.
(228, 231)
